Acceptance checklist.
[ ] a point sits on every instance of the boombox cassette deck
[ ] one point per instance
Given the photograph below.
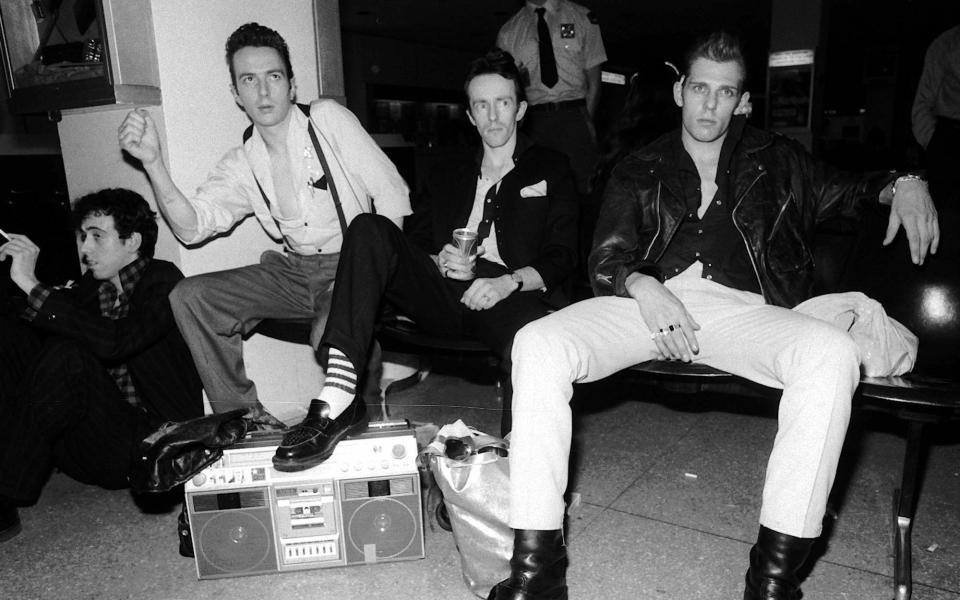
(361, 506)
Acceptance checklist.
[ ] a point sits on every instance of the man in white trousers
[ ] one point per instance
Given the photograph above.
(702, 248)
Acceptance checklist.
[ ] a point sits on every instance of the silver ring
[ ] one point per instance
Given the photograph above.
(673, 327)
(445, 271)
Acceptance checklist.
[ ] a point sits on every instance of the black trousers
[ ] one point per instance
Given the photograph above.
(65, 411)
(378, 264)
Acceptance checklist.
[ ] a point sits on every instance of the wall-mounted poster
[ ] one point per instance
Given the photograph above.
(790, 89)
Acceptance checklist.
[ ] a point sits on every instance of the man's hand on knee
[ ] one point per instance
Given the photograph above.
(671, 326)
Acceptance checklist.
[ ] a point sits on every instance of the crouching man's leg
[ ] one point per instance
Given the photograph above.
(584, 342)
(68, 414)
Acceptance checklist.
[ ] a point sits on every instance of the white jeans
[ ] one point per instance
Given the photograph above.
(815, 363)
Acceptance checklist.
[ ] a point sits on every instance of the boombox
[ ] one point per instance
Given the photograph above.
(361, 506)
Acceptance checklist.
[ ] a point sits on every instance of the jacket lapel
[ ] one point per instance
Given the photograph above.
(464, 190)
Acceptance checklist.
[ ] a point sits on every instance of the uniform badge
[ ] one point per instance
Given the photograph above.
(567, 31)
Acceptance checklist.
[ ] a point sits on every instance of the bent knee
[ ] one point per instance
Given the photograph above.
(825, 352)
(187, 291)
(544, 337)
(63, 356)
(838, 347)
(366, 224)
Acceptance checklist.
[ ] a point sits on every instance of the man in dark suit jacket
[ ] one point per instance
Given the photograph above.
(522, 201)
(95, 367)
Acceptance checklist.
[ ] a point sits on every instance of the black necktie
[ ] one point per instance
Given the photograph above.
(548, 63)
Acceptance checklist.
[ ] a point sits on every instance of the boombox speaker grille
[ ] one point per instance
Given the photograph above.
(236, 541)
(384, 525)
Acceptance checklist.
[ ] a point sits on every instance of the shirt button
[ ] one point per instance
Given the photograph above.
(699, 232)
(709, 276)
(719, 203)
(697, 254)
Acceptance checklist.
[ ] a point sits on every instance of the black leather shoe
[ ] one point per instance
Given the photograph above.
(9, 521)
(538, 568)
(775, 561)
(313, 440)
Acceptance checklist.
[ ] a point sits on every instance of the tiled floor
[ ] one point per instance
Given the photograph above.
(669, 497)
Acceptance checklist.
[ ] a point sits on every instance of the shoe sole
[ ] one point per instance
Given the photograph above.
(301, 464)
(10, 532)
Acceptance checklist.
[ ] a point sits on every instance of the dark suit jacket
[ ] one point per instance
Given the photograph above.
(147, 339)
(535, 231)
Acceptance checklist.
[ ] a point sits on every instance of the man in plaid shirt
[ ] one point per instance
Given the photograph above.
(88, 370)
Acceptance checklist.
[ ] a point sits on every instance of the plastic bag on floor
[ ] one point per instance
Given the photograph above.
(472, 471)
(886, 346)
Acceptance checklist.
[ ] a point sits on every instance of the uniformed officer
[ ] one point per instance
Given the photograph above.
(564, 76)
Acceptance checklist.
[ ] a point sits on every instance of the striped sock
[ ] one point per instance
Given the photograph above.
(340, 385)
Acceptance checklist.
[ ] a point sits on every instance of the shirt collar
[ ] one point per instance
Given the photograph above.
(523, 143)
(130, 275)
(730, 142)
(552, 6)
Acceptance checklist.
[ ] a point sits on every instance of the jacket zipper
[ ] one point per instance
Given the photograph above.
(746, 244)
(646, 254)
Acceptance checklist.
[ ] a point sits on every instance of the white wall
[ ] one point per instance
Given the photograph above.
(199, 122)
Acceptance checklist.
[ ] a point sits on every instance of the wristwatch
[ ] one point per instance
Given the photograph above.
(516, 277)
(902, 178)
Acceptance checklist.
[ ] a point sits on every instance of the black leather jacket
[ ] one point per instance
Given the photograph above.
(779, 192)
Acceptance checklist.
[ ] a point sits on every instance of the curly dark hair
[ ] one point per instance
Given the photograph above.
(131, 214)
(719, 46)
(497, 62)
(257, 36)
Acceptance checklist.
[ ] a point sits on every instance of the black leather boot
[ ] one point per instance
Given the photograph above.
(774, 562)
(538, 568)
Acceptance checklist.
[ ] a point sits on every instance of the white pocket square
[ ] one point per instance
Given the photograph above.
(534, 191)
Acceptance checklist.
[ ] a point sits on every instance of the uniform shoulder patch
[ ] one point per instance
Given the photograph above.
(592, 17)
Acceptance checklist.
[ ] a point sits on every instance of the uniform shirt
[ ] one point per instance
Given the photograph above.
(365, 178)
(938, 93)
(577, 47)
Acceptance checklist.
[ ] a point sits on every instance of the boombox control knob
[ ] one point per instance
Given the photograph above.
(199, 479)
(399, 451)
